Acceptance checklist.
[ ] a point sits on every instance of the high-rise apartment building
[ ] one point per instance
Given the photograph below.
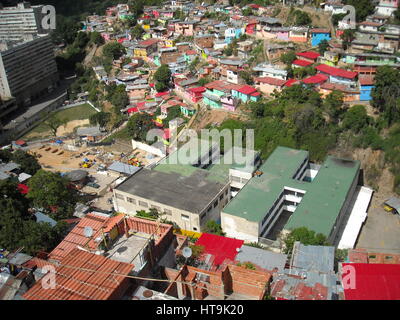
(27, 69)
(19, 21)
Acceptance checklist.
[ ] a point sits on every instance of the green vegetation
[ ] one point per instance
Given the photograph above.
(304, 236)
(298, 18)
(246, 265)
(363, 8)
(51, 192)
(100, 118)
(162, 77)
(138, 126)
(214, 228)
(323, 46)
(18, 228)
(28, 163)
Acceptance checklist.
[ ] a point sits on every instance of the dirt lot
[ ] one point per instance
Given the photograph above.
(70, 126)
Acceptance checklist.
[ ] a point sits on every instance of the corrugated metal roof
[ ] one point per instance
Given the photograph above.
(263, 258)
(123, 167)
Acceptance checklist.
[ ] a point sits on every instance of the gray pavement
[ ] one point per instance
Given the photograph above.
(381, 232)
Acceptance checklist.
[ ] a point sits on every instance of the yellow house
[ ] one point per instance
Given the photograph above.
(146, 27)
(169, 43)
(140, 53)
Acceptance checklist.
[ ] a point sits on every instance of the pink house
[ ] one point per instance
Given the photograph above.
(282, 35)
(229, 103)
(106, 36)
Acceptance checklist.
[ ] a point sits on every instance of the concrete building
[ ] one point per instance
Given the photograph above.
(291, 192)
(21, 20)
(189, 188)
(28, 69)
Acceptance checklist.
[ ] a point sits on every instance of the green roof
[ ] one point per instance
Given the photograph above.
(218, 172)
(323, 199)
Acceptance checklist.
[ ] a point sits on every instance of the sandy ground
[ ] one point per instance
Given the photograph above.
(69, 128)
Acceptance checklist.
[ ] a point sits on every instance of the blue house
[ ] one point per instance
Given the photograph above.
(232, 33)
(366, 86)
(318, 35)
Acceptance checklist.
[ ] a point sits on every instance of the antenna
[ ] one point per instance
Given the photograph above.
(88, 232)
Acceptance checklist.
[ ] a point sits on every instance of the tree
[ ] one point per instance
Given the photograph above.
(100, 118)
(119, 97)
(356, 118)
(386, 93)
(363, 8)
(247, 12)
(50, 191)
(302, 18)
(333, 105)
(161, 87)
(163, 74)
(28, 162)
(337, 17)
(81, 40)
(347, 37)
(203, 81)
(304, 236)
(137, 32)
(323, 46)
(288, 57)
(247, 77)
(96, 38)
(114, 50)
(214, 228)
(138, 126)
(53, 123)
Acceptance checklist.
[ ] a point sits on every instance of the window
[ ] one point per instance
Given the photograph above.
(156, 207)
(221, 197)
(235, 179)
(244, 180)
(194, 229)
(203, 215)
(119, 196)
(209, 209)
(185, 217)
(226, 192)
(168, 212)
(215, 203)
(143, 204)
(130, 200)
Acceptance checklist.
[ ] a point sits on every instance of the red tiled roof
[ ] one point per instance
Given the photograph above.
(308, 54)
(271, 81)
(302, 63)
(255, 94)
(77, 238)
(366, 80)
(20, 142)
(191, 52)
(336, 71)
(371, 23)
(220, 247)
(37, 262)
(131, 110)
(318, 78)
(84, 276)
(374, 282)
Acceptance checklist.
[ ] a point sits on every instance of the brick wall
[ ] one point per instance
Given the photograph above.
(249, 282)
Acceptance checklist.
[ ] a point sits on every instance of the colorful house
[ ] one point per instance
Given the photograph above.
(145, 48)
(196, 94)
(366, 86)
(298, 35)
(187, 110)
(310, 56)
(299, 63)
(318, 35)
(232, 33)
(246, 93)
(339, 76)
(251, 26)
(268, 85)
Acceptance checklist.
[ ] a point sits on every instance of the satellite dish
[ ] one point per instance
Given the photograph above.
(88, 232)
(187, 252)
